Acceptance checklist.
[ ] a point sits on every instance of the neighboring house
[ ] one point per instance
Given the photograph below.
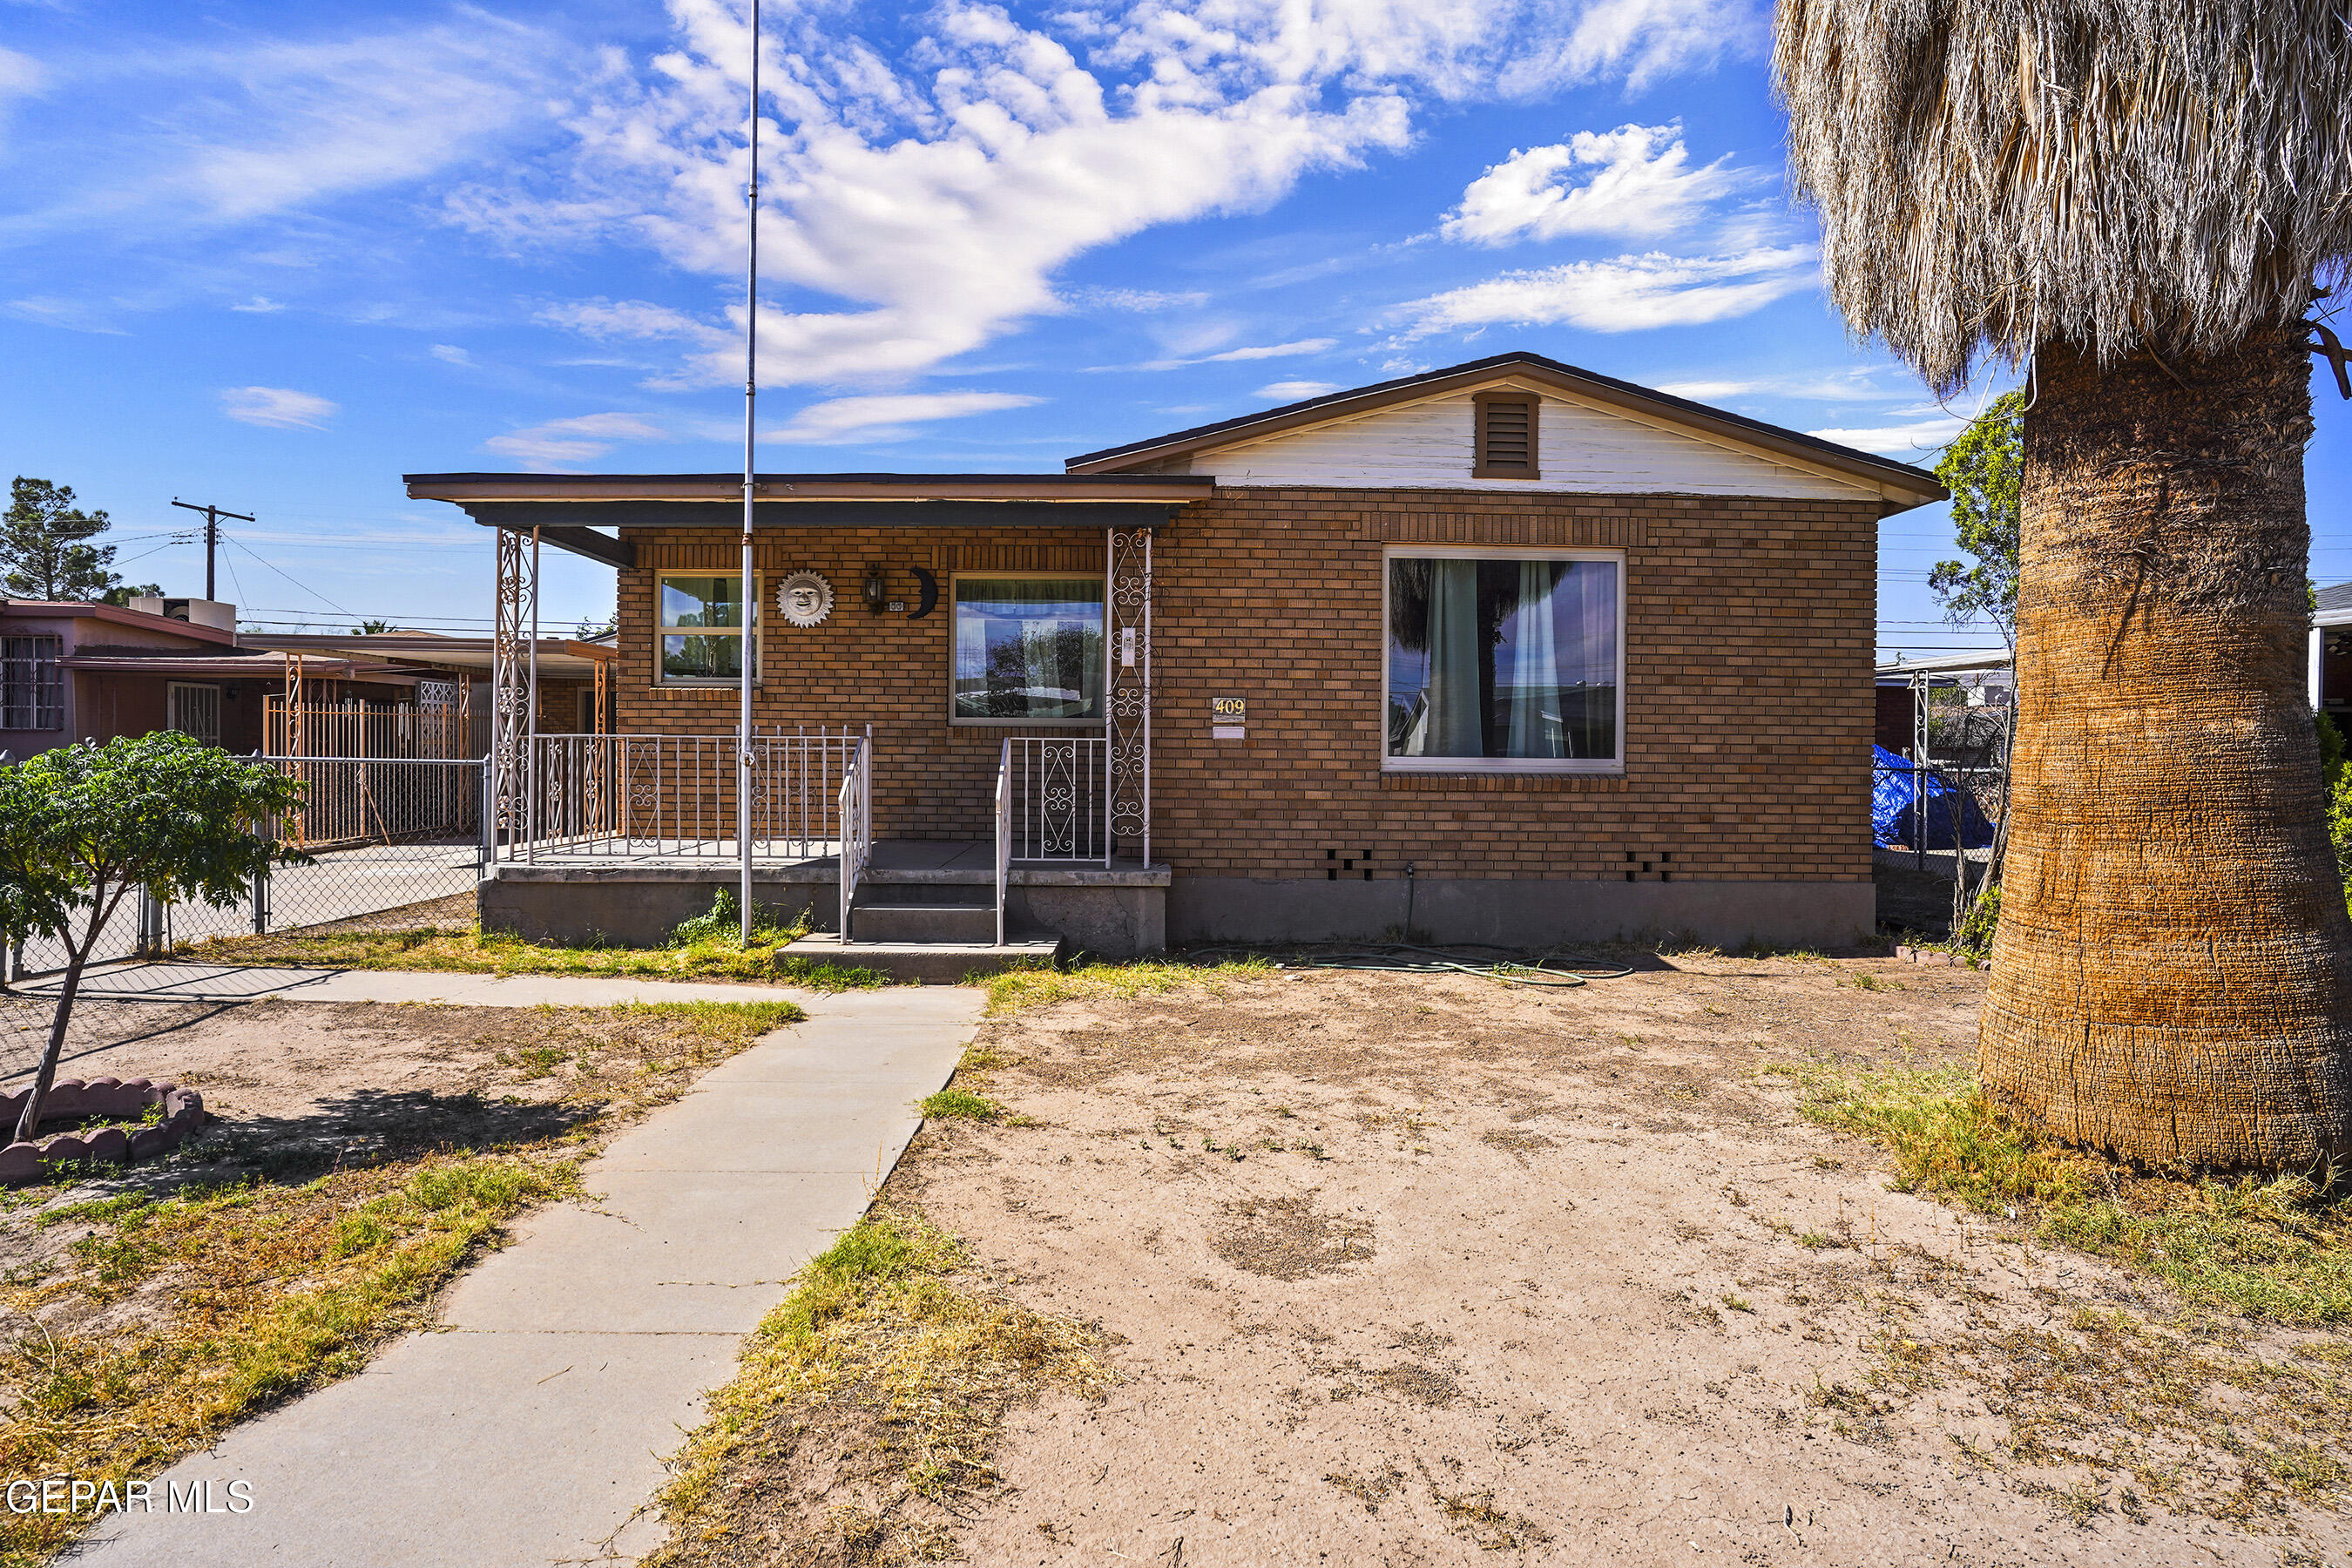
(457, 669)
(1508, 652)
(72, 671)
(2331, 651)
(1983, 680)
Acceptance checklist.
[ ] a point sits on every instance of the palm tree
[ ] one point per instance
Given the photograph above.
(2135, 203)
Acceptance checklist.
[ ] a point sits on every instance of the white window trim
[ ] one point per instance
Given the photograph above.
(753, 608)
(1390, 765)
(1101, 579)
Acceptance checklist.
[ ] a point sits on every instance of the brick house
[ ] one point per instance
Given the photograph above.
(1508, 652)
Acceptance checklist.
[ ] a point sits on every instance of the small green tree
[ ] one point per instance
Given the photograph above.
(83, 827)
(371, 628)
(42, 553)
(1984, 469)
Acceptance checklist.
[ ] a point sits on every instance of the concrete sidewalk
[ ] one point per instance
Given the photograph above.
(531, 1426)
(164, 980)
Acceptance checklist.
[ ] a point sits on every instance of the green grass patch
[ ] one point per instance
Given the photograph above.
(889, 1368)
(2276, 1249)
(1016, 989)
(964, 1104)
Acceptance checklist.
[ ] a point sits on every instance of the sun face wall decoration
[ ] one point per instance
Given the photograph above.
(803, 598)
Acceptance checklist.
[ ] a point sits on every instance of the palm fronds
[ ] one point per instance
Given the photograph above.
(1992, 175)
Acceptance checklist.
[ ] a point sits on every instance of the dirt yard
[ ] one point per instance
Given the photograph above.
(1403, 1270)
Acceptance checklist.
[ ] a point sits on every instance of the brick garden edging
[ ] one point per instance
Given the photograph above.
(183, 1113)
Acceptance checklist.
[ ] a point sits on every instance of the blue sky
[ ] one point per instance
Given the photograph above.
(275, 257)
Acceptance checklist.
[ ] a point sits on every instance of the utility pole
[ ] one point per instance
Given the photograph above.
(213, 515)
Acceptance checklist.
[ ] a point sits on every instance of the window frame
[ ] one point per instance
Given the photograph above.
(40, 680)
(172, 691)
(1479, 402)
(956, 579)
(1394, 764)
(753, 611)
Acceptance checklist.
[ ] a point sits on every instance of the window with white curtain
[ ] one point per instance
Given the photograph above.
(1504, 661)
(1028, 650)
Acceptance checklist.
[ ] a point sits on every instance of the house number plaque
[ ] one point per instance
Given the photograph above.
(804, 598)
(1228, 718)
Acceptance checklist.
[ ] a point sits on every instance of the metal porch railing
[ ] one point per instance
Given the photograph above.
(856, 809)
(1056, 797)
(674, 796)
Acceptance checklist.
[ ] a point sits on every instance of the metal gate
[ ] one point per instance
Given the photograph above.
(397, 840)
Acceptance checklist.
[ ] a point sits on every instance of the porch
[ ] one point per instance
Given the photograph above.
(1000, 788)
(619, 839)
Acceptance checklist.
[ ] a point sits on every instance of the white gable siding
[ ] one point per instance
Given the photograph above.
(1431, 445)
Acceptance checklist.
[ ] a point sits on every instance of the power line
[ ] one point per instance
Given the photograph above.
(304, 586)
(213, 515)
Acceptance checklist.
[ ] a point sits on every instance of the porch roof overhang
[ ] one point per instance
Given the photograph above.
(571, 509)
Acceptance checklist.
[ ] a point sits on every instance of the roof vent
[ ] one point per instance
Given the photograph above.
(1507, 425)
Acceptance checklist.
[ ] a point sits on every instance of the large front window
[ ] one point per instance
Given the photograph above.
(1503, 662)
(702, 626)
(1028, 650)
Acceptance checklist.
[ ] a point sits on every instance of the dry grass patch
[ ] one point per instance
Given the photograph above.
(149, 1309)
(2229, 1398)
(867, 1407)
(468, 949)
(1016, 990)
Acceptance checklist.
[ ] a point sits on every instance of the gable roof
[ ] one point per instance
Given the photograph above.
(1900, 483)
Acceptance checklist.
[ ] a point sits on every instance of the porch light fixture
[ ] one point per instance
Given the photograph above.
(875, 589)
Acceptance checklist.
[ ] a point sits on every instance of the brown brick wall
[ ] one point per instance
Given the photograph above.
(1748, 684)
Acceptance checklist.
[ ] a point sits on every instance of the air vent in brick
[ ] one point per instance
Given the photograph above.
(1335, 862)
(1639, 865)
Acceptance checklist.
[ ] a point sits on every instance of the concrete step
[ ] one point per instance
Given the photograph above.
(909, 922)
(930, 963)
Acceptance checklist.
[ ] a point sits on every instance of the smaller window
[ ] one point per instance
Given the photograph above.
(702, 627)
(1028, 650)
(32, 683)
(195, 710)
(1507, 425)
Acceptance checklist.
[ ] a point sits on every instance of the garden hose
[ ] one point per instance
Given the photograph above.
(1385, 959)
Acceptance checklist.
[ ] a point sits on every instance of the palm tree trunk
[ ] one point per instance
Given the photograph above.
(2172, 977)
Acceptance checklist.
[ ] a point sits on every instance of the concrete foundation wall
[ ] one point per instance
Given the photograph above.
(1107, 921)
(1520, 913)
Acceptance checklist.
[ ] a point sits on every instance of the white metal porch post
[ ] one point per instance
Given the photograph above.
(1127, 717)
(511, 716)
(746, 654)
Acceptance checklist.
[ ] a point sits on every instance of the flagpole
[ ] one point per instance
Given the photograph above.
(748, 657)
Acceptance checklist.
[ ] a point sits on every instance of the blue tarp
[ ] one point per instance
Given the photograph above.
(1891, 809)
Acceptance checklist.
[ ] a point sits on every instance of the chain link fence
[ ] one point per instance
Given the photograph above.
(396, 842)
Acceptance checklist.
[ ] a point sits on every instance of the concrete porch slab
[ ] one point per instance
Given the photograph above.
(933, 963)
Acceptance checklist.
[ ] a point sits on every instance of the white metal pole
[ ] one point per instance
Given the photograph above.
(750, 488)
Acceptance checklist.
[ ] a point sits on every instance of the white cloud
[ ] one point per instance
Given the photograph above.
(276, 407)
(450, 353)
(228, 133)
(54, 310)
(1852, 386)
(1273, 350)
(630, 318)
(1295, 391)
(259, 305)
(888, 417)
(1910, 442)
(1634, 180)
(575, 440)
(1626, 294)
(1230, 356)
(1139, 301)
(918, 205)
